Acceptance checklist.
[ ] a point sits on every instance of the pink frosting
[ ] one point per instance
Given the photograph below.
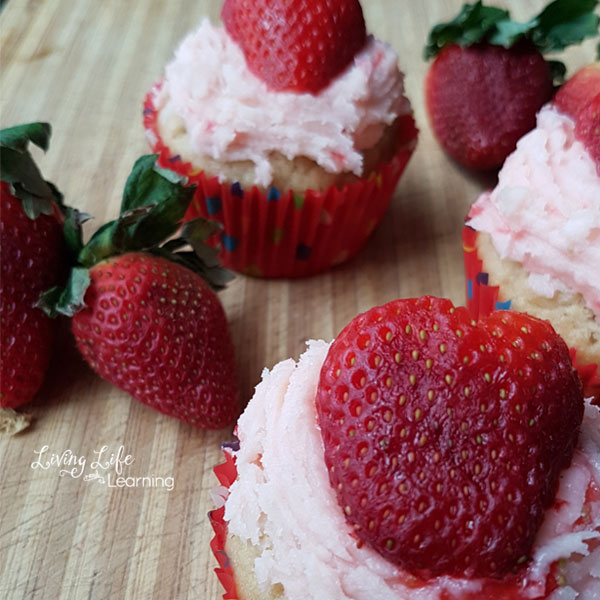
(231, 115)
(545, 210)
(283, 503)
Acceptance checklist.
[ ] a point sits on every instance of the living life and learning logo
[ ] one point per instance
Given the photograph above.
(105, 467)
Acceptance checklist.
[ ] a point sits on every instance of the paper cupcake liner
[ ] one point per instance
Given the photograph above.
(226, 474)
(287, 234)
(483, 298)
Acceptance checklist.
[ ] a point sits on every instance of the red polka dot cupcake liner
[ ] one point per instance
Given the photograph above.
(483, 298)
(287, 233)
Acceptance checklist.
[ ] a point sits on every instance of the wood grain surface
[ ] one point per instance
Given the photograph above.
(84, 66)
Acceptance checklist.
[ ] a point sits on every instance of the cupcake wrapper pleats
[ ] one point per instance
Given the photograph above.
(482, 299)
(226, 474)
(286, 233)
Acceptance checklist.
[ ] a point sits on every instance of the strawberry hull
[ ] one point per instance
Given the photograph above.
(288, 234)
(483, 298)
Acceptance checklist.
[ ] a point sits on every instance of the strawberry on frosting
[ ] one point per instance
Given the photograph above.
(296, 45)
(232, 115)
(580, 98)
(442, 457)
(302, 508)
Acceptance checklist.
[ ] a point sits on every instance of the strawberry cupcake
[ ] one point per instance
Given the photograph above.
(533, 243)
(420, 455)
(293, 124)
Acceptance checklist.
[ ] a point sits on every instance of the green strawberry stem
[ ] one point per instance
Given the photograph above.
(154, 203)
(72, 231)
(560, 24)
(18, 169)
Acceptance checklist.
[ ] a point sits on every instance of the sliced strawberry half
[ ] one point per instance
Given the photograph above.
(575, 94)
(444, 438)
(587, 129)
(579, 97)
(296, 45)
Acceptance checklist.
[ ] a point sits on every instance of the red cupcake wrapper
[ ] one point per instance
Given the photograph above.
(226, 474)
(289, 234)
(482, 299)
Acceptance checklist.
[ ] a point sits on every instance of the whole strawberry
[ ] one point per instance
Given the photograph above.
(33, 259)
(143, 316)
(444, 438)
(156, 329)
(296, 45)
(489, 78)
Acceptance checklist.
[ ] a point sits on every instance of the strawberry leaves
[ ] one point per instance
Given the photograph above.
(18, 137)
(202, 258)
(564, 22)
(560, 24)
(18, 168)
(471, 25)
(72, 230)
(154, 203)
(66, 300)
(149, 184)
(153, 206)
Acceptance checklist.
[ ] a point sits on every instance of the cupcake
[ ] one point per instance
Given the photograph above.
(299, 166)
(377, 464)
(533, 243)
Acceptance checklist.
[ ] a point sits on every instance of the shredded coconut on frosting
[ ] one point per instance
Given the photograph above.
(283, 503)
(230, 115)
(545, 210)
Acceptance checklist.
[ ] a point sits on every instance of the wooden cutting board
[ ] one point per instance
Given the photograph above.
(85, 66)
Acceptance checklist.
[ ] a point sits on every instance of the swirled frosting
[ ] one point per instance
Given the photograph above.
(545, 210)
